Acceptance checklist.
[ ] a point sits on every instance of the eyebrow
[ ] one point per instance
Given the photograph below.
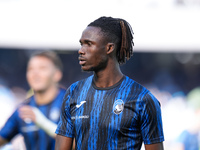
(85, 41)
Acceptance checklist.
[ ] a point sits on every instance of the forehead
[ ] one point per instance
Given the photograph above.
(39, 60)
(91, 33)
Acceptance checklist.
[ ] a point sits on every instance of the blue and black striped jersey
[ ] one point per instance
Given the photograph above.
(34, 137)
(119, 117)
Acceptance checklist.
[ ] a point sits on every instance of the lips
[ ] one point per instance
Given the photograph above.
(82, 60)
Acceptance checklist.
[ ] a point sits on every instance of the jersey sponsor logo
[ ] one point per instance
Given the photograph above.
(79, 117)
(118, 106)
(31, 128)
(81, 103)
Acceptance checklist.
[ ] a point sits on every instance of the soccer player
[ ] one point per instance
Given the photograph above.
(36, 118)
(108, 110)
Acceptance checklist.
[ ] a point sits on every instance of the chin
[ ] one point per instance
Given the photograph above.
(38, 90)
(86, 69)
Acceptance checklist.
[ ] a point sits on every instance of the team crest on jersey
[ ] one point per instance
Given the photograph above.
(54, 114)
(118, 106)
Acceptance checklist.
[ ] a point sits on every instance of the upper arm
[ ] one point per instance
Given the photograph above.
(65, 125)
(151, 120)
(10, 129)
(157, 146)
(63, 143)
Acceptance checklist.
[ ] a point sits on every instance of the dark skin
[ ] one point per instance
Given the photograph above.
(98, 56)
(63, 143)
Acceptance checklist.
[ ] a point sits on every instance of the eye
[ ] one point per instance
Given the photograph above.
(89, 43)
(86, 43)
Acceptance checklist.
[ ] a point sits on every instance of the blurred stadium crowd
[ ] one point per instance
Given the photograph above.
(171, 77)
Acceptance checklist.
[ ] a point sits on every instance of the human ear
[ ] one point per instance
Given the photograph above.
(110, 48)
(58, 76)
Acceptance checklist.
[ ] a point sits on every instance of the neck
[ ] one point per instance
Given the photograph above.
(47, 96)
(109, 76)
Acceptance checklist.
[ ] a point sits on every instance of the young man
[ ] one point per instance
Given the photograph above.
(108, 110)
(36, 119)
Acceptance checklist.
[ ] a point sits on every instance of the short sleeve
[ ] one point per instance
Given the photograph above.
(10, 128)
(65, 126)
(151, 120)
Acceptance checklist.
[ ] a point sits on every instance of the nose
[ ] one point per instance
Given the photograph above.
(81, 51)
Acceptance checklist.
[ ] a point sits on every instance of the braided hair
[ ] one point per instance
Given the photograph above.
(118, 31)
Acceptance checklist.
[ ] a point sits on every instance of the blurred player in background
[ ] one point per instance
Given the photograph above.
(108, 110)
(189, 138)
(36, 118)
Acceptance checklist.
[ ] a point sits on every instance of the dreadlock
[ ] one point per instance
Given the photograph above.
(118, 31)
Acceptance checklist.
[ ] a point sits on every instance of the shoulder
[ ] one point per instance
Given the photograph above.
(133, 83)
(136, 88)
(139, 91)
(28, 101)
(81, 83)
(62, 91)
(78, 86)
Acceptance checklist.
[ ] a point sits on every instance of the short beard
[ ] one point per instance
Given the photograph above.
(39, 91)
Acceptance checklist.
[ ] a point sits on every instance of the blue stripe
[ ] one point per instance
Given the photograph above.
(123, 92)
(94, 118)
(78, 122)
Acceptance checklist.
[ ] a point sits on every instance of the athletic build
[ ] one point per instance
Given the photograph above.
(108, 110)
